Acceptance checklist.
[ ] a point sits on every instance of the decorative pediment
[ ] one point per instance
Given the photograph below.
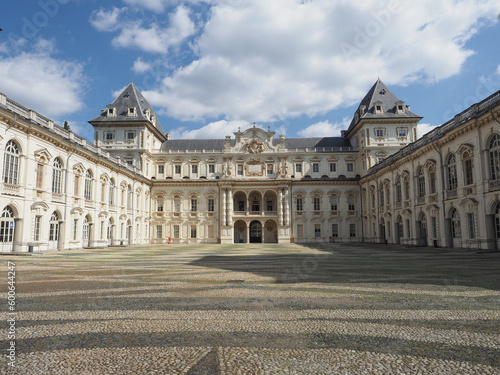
(104, 178)
(253, 141)
(38, 206)
(103, 214)
(79, 168)
(76, 211)
(43, 155)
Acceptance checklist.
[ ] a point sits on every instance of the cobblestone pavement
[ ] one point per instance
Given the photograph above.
(254, 309)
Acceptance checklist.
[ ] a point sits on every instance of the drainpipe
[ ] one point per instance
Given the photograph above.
(14, 123)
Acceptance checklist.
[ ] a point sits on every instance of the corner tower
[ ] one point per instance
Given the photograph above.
(129, 129)
(381, 126)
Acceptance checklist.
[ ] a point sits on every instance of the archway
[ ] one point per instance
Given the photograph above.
(240, 232)
(271, 232)
(239, 202)
(422, 230)
(255, 203)
(255, 232)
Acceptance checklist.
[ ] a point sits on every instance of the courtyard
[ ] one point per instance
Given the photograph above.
(255, 309)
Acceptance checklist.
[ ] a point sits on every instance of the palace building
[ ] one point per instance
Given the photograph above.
(135, 185)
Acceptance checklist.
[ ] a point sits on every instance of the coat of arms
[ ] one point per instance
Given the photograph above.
(254, 147)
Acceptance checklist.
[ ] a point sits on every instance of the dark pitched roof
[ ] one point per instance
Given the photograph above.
(218, 144)
(380, 93)
(130, 96)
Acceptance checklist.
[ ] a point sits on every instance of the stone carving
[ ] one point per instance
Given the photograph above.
(254, 147)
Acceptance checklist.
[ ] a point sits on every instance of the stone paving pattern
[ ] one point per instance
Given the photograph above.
(255, 309)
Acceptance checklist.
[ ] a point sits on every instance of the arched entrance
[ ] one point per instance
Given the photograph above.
(7, 228)
(271, 232)
(110, 234)
(422, 230)
(255, 232)
(456, 229)
(240, 232)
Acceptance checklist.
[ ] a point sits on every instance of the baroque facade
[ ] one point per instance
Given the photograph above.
(134, 185)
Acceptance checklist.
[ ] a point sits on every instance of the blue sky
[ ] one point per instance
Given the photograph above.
(209, 67)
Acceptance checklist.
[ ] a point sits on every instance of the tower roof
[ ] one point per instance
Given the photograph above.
(130, 97)
(380, 95)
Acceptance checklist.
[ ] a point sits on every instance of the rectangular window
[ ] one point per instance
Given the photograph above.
(77, 185)
(269, 205)
(298, 167)
(350, 167)
(379, 133)
(211, 205)
(211, 168)
(432, 182)
(333, 167)
(469, 175)
(299, 204)
(193, 231)
(471, 226)
(241, 206)
(335, 230)
(316, 204)
(434, 226)
(317, 230)
(102, 230)
(75, 229)
(334, 203)
(194, 205)
(240, 169)
(177, 205)
(161, 169)
(352, 230)
(401, 133)
(38, 221)
(177, 169)
(159, 231)
(39, 176)
(351, 206)
(108, 136)
(130, 135)
(176, 231)
(194, 169)
(269, 169)
(300, 230)
(159, 205)
(316, 167)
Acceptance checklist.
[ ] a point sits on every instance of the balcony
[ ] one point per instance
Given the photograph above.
(11, 189)
(494, 185)
(451, 194)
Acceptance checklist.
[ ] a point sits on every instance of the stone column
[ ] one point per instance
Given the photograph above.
(224, 204)
(280, 206)
(263, 233)
(248, 233)
(18, 235)
(91, 236)
(230, 207)
(287, 208)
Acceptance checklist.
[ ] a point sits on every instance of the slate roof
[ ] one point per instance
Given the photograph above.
(218, 144)
(381, 93)
(130, 96)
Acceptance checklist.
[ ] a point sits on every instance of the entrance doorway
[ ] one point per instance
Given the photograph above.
(255, 232)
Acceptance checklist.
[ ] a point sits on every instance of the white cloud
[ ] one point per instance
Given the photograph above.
(154, 38)
(140, 66)
(39, 81)
(160, 5)
(103, 20)
(324, 129)
(217, 130)
(267, 61)
(423, 129)
(498, 70)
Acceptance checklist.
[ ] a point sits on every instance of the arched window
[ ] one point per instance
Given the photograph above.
(86, 228)
(432, 179)
(111, 195)
(351, 202)
(420, 182)
(468, 168)
(56, 176)
(495, 157)
(399, 190)
(54, 227)
(7, 225)
(451, 170)
(88, 185)
(381, 195)
(11, 163)
(129, 197)
(334, 203)
(456, 232)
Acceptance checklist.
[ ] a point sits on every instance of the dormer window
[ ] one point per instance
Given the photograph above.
(400, 108)
(131, 111)
(111, 112)
(378, 107)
